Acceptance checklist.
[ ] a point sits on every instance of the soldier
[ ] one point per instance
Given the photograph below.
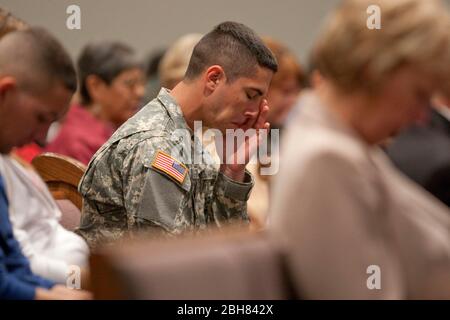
(144, 178)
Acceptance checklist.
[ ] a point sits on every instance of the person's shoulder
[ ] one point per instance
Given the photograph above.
(146, 141)
(151, 118)
(317, 132)
(147, 148)
(150, 122)
(315, 143)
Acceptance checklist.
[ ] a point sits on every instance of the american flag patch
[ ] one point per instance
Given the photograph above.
(169, 165)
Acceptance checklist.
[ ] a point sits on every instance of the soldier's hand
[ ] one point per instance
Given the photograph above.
(233, 165)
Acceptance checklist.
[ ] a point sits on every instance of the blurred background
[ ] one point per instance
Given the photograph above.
(150, 25)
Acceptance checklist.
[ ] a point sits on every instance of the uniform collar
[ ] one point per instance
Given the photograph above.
(173, 109)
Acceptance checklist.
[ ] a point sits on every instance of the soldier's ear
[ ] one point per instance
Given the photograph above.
(214, 75)
(6, 84)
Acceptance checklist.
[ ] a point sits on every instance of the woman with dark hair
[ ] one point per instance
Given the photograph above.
(111, 88)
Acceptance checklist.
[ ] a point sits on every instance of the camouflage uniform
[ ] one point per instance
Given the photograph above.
(123, 192)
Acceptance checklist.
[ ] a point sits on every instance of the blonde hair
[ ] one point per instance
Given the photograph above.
(413, 33)
(10, 23)
(175, 61)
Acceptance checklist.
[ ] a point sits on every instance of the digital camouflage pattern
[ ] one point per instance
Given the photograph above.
(123, 193)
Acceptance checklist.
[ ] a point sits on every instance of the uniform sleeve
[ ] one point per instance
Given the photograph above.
(152, 199)
(157, 201)
(229, 204)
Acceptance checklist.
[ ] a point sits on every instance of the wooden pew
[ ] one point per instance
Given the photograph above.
(224, 266)
(62, 175)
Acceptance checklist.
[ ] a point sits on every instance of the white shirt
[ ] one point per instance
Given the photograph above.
(35, 217)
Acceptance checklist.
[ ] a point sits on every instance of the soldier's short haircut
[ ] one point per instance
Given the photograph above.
(36, 59)
(106, 60)
(233, 46)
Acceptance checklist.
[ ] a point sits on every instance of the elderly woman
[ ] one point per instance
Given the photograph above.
(353, 226)
(111, 88)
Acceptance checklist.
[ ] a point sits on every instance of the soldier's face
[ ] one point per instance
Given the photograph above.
(26, 117)
(237, 104)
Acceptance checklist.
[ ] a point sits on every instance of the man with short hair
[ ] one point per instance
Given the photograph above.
(37, 81)
(144, 177)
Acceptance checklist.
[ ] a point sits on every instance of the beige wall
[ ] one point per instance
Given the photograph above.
(150, 24)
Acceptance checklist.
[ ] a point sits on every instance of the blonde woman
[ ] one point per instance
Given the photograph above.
(353, 227)
(175, 61)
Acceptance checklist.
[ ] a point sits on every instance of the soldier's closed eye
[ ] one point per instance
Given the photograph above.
(253, 93)
(251, 96)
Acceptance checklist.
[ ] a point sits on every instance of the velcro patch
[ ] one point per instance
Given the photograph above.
(169, 165)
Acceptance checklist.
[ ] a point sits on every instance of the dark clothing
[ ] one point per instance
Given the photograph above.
(16, 279)
(423, 153)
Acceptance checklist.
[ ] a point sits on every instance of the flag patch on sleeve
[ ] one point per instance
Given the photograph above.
(169, 165)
